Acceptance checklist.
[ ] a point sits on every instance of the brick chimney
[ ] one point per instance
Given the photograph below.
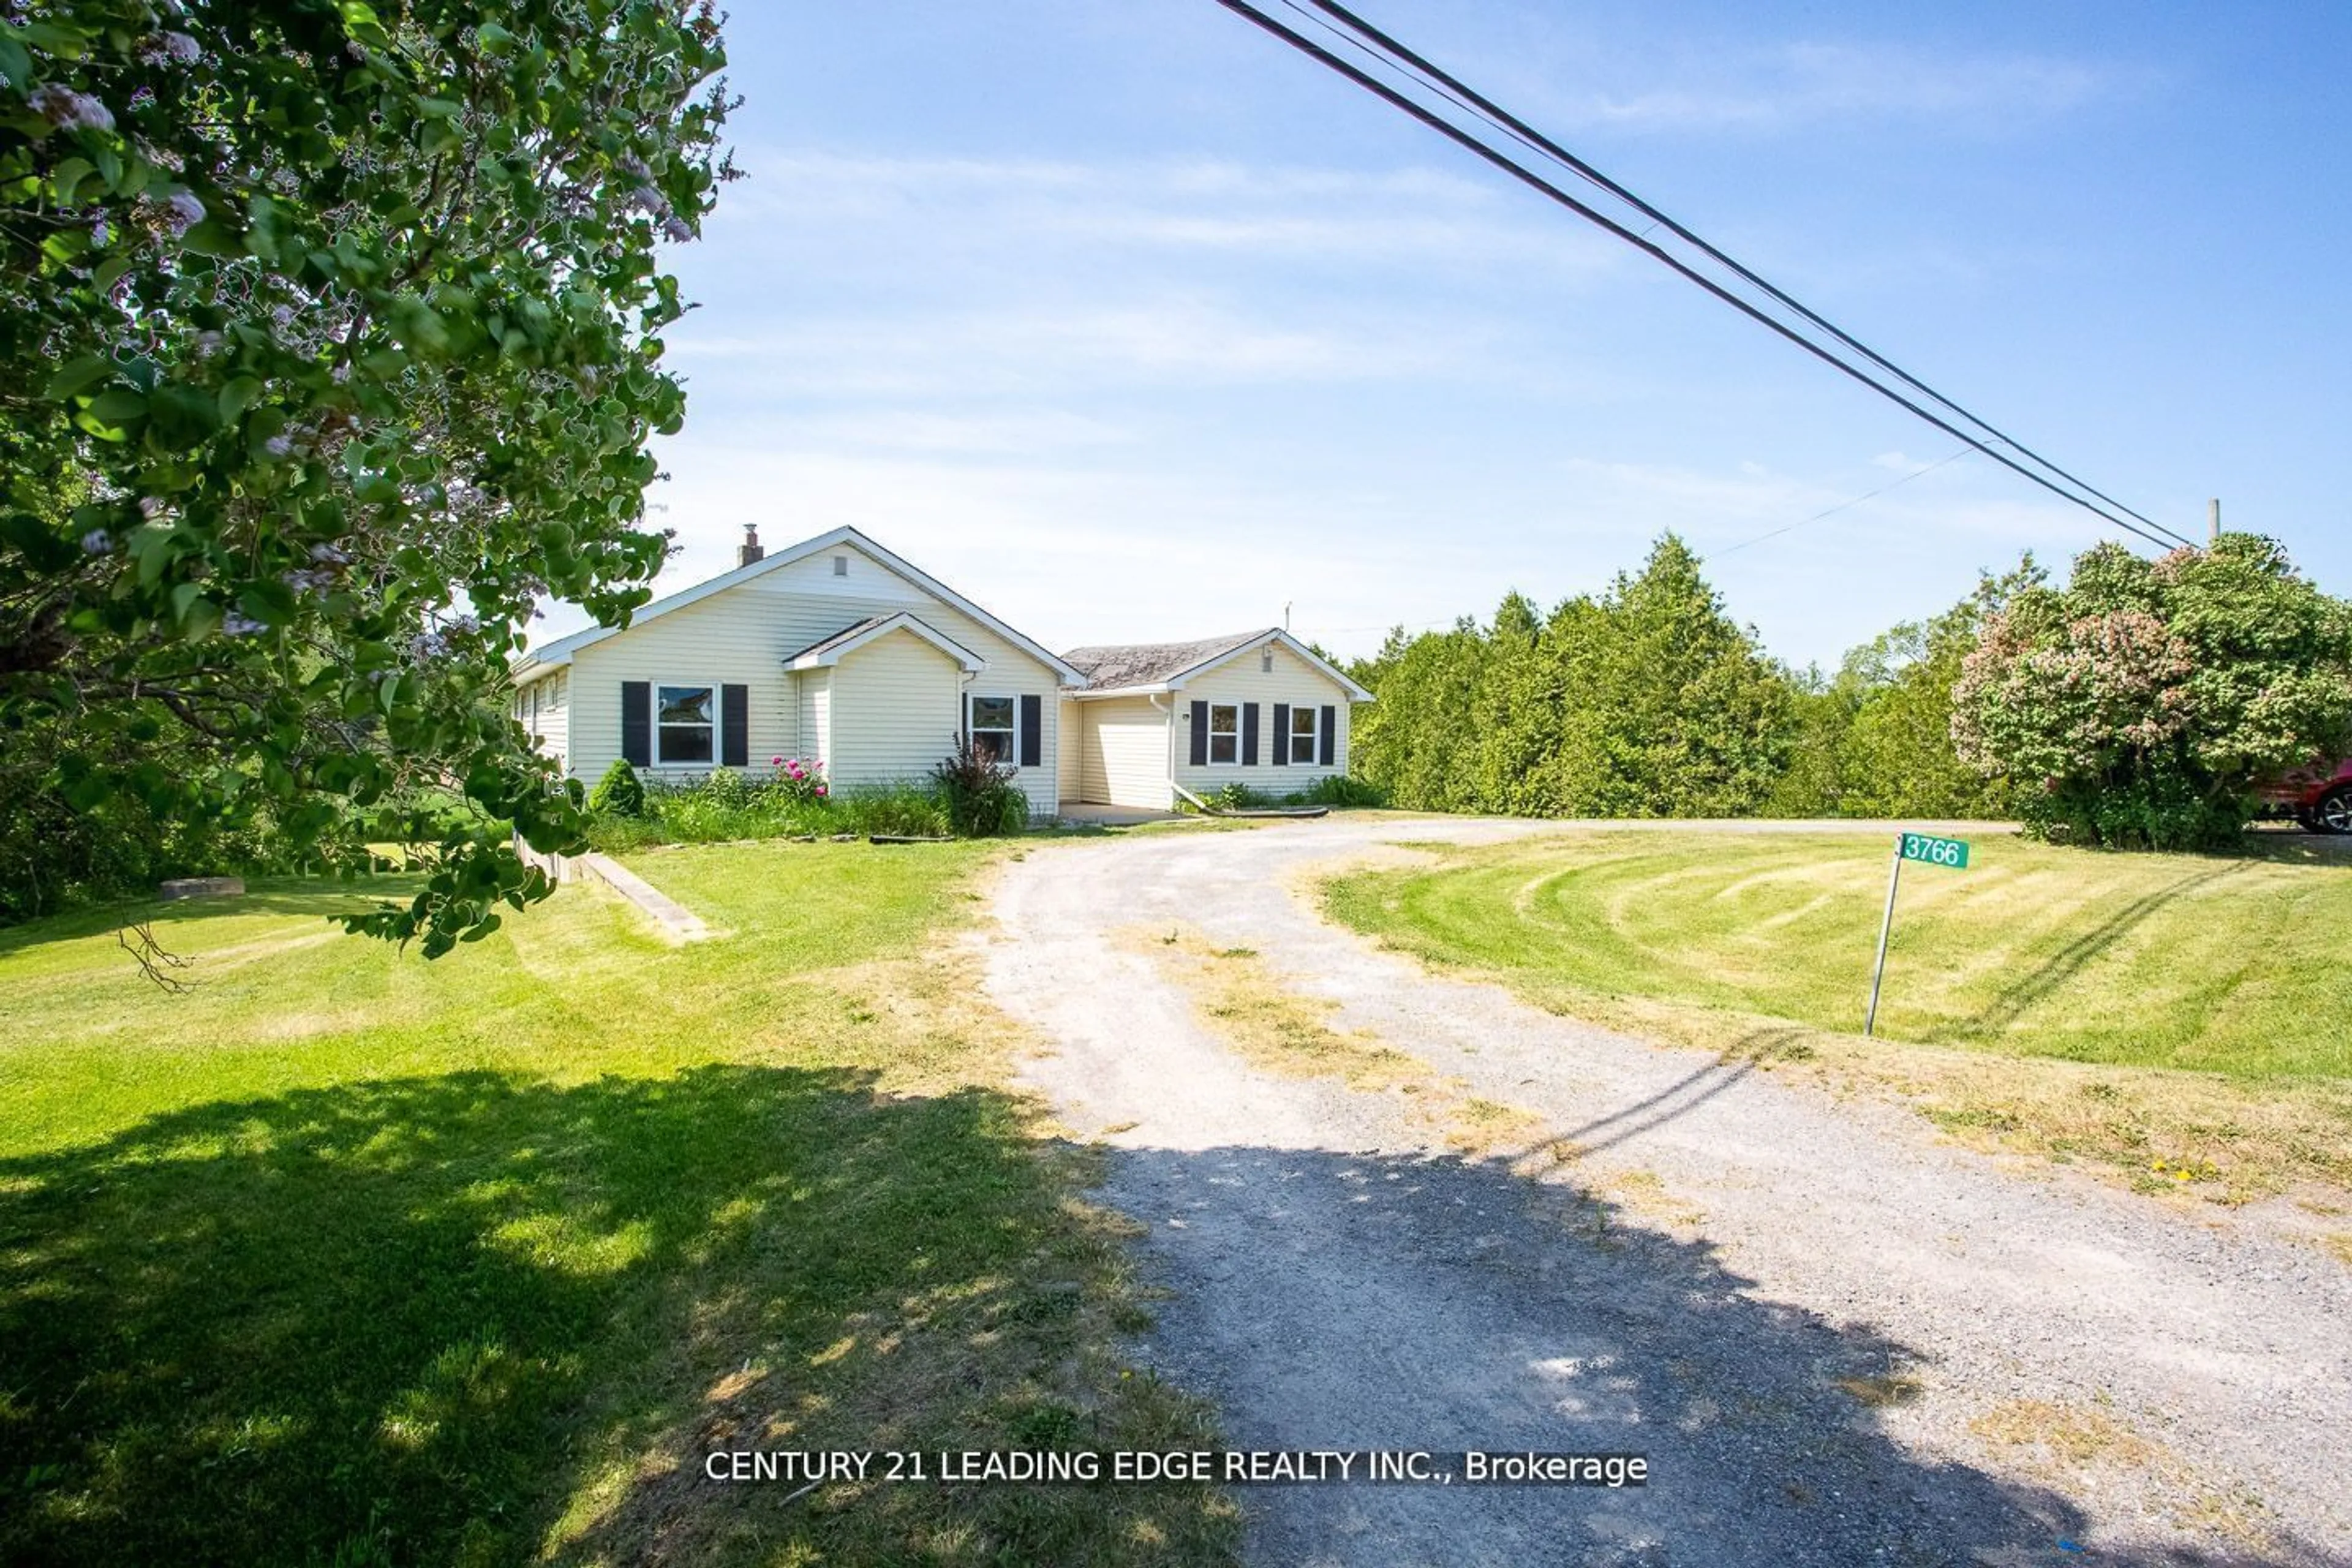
(751, 550)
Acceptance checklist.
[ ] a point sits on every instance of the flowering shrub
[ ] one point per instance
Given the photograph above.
(2138, 706)
(797, 780)
(330, 342)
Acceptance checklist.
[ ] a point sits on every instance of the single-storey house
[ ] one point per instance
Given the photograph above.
(839, 652)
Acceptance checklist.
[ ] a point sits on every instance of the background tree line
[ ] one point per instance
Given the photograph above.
(2136, 707)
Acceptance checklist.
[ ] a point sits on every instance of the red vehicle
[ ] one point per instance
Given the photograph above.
(2320, 797)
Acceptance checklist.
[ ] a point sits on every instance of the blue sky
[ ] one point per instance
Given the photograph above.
(1130, 323)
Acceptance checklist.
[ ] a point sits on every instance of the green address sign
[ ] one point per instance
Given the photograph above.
(1934, 851)
(1952, 852)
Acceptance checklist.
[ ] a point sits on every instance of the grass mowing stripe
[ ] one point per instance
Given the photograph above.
(2185, 1018)
(2223, 965)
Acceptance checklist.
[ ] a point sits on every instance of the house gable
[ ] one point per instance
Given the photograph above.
(843, 564)
(1170, 666)
(838, 598)
(832, 650)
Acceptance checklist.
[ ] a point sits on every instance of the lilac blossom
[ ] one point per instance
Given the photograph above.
(180, 211)
(66, 110)
(171, 48)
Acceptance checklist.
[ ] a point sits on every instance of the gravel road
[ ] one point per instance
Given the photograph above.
(1838, 1340)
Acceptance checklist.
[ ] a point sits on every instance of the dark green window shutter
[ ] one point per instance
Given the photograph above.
(1033, 731)
(1281, 734)
(638, 722)
(1328, 734)
(734, 726)
(1249, 735)
(1200, 735)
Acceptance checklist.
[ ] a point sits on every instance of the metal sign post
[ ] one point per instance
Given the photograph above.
(1951, 852)
(1886, 925)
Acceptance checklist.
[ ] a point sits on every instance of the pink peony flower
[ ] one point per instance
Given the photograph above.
(821, 789)
(775, 761)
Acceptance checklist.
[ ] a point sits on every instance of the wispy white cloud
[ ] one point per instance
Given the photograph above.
(1015, 432)
(1270, 213)
(1176, 341)
(1806, 84)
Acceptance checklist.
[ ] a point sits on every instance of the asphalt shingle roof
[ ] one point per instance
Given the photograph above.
(1148, 663)
(844, 635)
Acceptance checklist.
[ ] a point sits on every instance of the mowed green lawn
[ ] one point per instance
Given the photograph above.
(343, 1258)
(2234, 965)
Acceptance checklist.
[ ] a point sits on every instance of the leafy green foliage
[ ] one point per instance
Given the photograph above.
(799, 781)
(1876, 739)
(2138, 706)
(620, 792)
(1411, 742)
(978, 793)
(1648, 702)
(55, 854)
(330, 347)
(728, 807)
(1341, 790)
(1237, 797)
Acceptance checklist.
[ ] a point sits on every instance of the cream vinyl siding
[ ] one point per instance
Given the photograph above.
(1123, 753)
(894, 707)
(1239, 681)
(549, 724)
(815, 706)
(744, 633)
(1071, 727)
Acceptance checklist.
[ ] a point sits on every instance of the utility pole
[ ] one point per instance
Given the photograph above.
(2214, 519)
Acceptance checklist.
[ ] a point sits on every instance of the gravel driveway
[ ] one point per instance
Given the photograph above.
(1838, 1340)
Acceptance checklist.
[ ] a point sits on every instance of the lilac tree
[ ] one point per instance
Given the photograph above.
(2139, 705)
(330, 346)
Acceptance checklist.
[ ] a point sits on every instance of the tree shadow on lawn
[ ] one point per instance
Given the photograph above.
(273, 896)
(1332, 1300)
(412, 1320)
(2019, 996)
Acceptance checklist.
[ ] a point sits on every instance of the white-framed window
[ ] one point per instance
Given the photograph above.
(1303, 735)
(686, 724)
(1225, 733)
(991, 725)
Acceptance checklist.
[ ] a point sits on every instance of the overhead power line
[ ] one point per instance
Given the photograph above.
(1831, 511)
(1850, 501)
(1395, 57)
